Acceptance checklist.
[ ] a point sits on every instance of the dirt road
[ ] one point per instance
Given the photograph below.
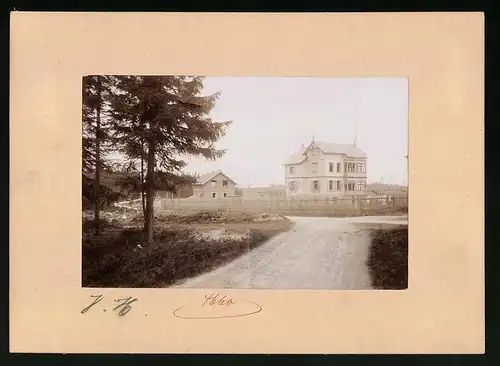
(318, 253)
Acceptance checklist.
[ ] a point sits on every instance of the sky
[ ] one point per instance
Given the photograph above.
(273, 116)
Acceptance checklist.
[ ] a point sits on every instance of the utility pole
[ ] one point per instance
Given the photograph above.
(356, 118)
(407, 171)
(356, 122)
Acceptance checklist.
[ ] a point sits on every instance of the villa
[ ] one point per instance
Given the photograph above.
(326, 170)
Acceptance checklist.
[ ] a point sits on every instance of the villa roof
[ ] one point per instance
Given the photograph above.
(327, 148)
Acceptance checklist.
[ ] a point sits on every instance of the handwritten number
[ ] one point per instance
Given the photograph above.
(125, 305)
(98, 298)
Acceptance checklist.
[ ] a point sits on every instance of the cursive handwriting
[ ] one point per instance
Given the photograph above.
(234, 308)
(213, 299)
(124, 305)
(97, 299)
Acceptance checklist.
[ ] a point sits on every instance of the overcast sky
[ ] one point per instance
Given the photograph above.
(273, 117)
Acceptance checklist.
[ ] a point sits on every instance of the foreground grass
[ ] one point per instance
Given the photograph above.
(388, 259)
(113, 259)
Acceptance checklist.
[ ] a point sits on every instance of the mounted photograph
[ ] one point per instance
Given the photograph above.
(244, 182)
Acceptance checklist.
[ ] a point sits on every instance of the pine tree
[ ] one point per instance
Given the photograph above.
(158, 121)
(95, 139)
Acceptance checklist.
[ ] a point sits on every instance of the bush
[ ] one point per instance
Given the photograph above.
(388, 259)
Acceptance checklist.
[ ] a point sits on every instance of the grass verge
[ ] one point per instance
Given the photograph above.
(388, 259)
(179, 252)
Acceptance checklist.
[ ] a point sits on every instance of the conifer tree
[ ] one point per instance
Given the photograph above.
(158, 122)
(95, 139)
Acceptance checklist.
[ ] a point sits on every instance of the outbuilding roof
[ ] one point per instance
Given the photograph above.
(204, 178)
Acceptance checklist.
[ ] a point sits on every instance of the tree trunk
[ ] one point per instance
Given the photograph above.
(143, 197)
(97, 182)
(148, 229)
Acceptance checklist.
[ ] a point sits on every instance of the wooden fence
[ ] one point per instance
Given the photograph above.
(357, 206)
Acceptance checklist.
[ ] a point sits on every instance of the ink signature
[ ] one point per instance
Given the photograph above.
(217, 306)
(124, 305)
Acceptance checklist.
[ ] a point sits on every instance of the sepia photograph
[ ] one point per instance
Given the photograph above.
(245, 182)
(215, 184)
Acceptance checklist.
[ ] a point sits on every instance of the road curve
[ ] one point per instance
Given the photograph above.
(318, 253)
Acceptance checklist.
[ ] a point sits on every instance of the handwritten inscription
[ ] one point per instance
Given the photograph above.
(123, 305)
(97, 299)
(217, 306)
(214, 299)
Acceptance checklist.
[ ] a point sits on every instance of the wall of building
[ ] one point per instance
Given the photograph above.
(207, 190)
(306, 173)
(267, 192)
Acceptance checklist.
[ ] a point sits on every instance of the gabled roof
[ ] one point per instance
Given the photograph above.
(327, 148)
(204, 178)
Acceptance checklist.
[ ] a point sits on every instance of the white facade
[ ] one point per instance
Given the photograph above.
(326, 170)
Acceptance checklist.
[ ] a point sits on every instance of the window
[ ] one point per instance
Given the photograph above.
(337, 187)
(314, 167)
(292, 169)
(338, 167)
(214, 195)
(360, 168)
(293, 185)
(349, 167)
(225, 194)
(314, 152)
(214, 183)
(331, 167)
(330, 185)
(315, 186)
(224, 183)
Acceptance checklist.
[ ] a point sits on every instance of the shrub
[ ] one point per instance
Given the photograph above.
(388, 259)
